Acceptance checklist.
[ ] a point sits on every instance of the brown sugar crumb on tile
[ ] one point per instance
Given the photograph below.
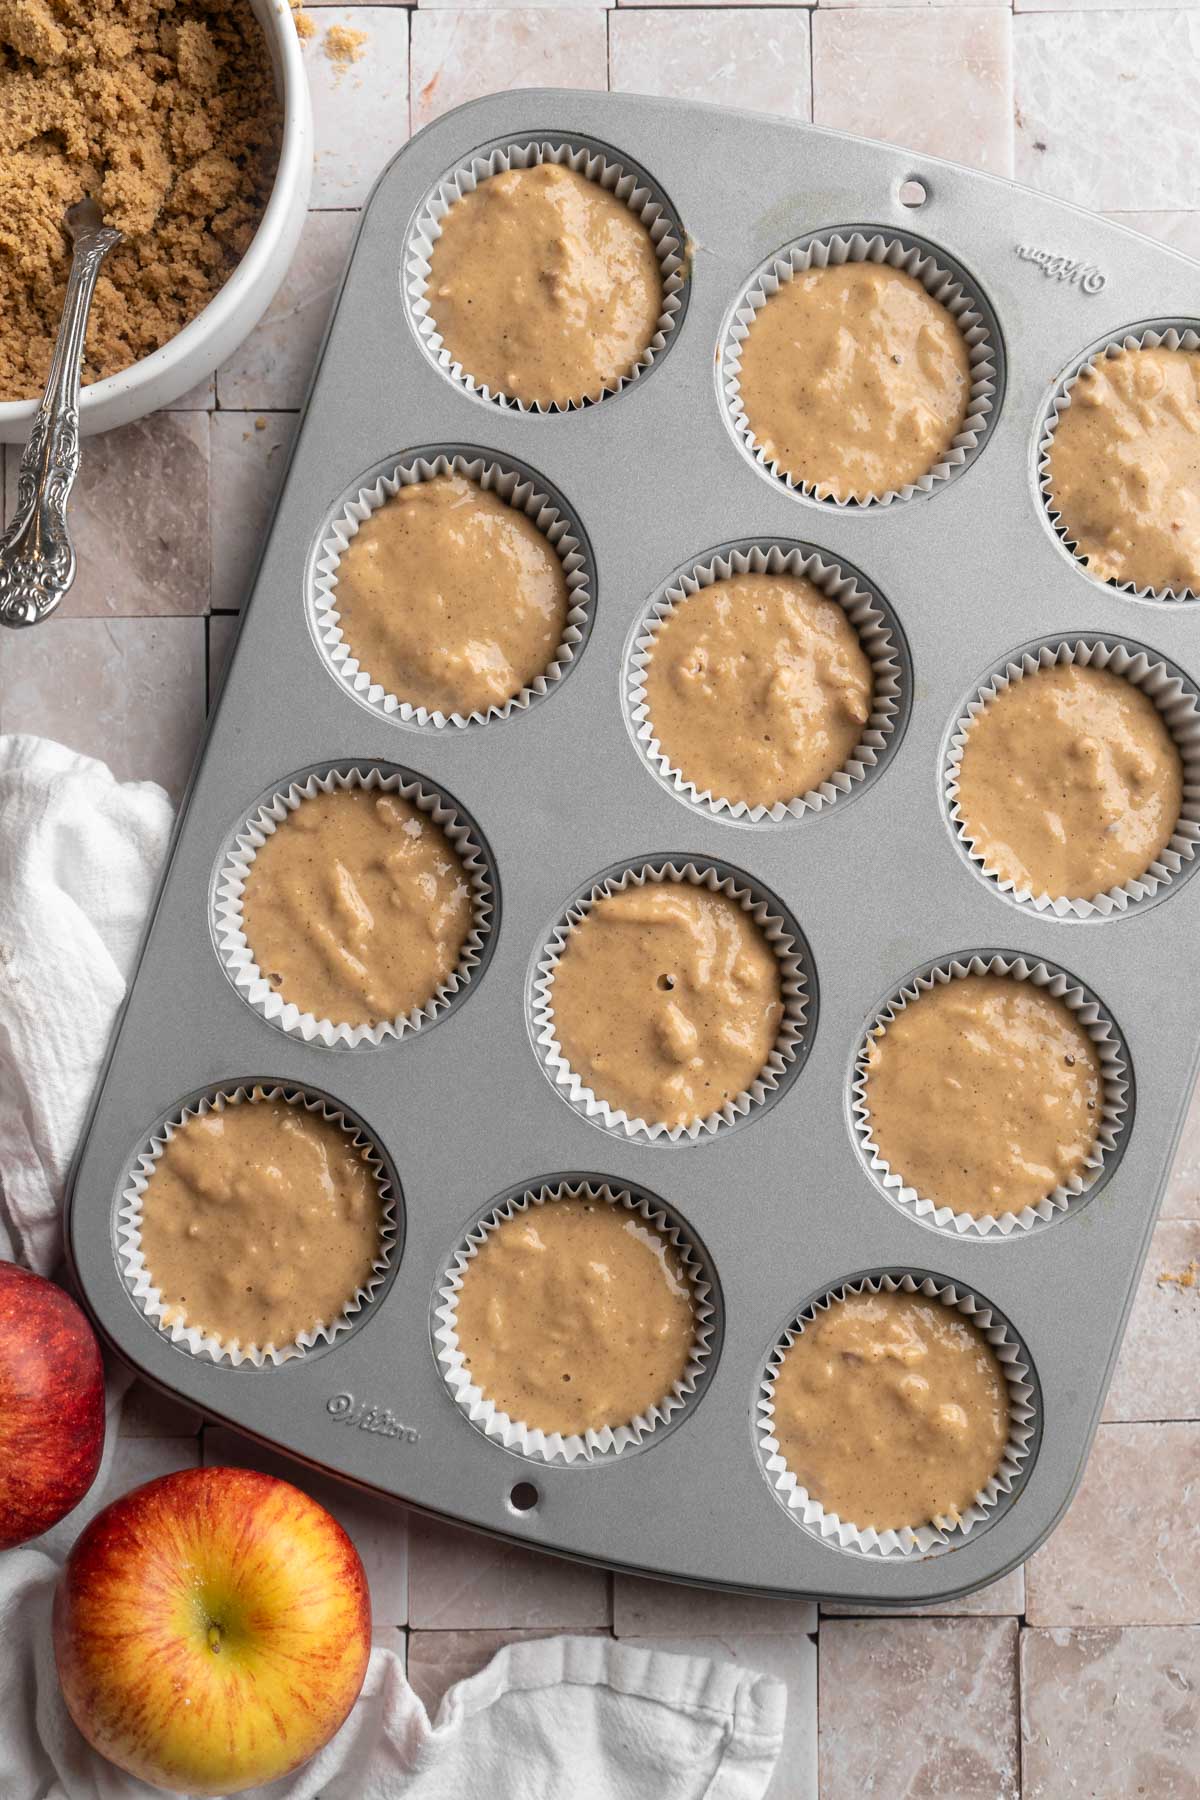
(342, 44)
(1183, 1278)
(306, 25)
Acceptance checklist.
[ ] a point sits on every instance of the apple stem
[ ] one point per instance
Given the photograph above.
(214, 1637)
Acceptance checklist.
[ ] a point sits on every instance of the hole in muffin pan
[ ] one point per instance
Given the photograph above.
(1176, 332)
(513, 480)
(523, 150)
(259, 989)
(593, 1447)
(125, 1209)
(799, 984)
(912, 193)
(1117, 1105)
(523, 1497)
(1026, 1416)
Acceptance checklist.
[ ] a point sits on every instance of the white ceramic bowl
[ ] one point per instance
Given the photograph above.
(193, 353)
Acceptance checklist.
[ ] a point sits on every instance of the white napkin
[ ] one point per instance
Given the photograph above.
(554, 1719)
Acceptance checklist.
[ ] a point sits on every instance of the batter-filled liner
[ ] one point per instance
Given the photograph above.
(878, 636)
(237, 956)
(831, 249)
(513, 485)
(640, 195)
(796, 989)
(591, 1445)
(1178, 335)
(1115, 1086)
(844, 1534)
(1179, 704)
(138, 1278)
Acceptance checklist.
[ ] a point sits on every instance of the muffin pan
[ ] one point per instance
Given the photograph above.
(877, 889)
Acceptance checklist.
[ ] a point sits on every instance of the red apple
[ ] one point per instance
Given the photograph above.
(212, 1630)
(51, 1405)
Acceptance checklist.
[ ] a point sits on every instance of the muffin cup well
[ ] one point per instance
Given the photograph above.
(1114, 1113)
(797, 992)
(1165, 334)
(520, 489)
(139, 1278)
(237, 956)
(878, 634)
(943, 1534)
(608, 1442)
(590, 160)
(1179, 704)
(952, 289)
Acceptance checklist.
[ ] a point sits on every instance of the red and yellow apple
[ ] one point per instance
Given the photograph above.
(212, 1630)
(51, 1405)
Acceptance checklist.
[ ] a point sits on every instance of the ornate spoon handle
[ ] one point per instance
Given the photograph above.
(37, 558)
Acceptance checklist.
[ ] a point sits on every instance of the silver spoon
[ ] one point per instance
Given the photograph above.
(37, 558)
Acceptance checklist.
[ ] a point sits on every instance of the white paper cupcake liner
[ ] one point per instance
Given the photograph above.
(229, 924)
(942, 1534)
(1114, 1074)
(1166, 334)
(878, 635)
(139, 1279)
(795, 975)
(630, 185)
(952, 289)
(516, 486)
(1179, 704)
(513, 1434)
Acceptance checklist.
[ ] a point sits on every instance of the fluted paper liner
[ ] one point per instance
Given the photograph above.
(1114, 1076)
(916, 259)
(139, 1278)
(520, 491)
(1179, 704)
(638, 193)
(229, 925)
(877, 636)
(611, 1439)
(938, 1534)
(788, 949)
(1177, 336)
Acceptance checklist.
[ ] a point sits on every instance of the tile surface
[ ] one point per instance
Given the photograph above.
(360, 107)
(249, 456)
(273, 366)
(461, 55)
(1158, 1371)
(668, 1609)
(736, 57)
(461, 1581)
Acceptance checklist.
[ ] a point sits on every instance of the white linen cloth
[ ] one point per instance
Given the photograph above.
(560, 1718)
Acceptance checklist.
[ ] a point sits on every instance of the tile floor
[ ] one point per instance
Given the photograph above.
(1056, 1682)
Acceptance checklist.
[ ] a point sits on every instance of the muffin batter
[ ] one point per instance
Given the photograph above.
(1125, 468)
(892, 1410)
(544, 286)
(357, 908)
(576, 1315)
(1070, 782)
(260, 1222)
(984, 1094)
(855, 379)
(758, 688)
(667, 1001)
(450, 598)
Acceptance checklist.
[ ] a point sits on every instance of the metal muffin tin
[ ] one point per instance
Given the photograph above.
(783, 1207)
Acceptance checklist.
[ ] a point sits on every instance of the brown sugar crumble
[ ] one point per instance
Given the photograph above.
(342, 44)
(166, 112)
(1183, 1278)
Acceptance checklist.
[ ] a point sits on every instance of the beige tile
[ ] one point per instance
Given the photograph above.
(793, 1660)
(249, 455)
(130, 691)
(139, 519)
(271, 370)
(360, 107)
(437, 1659)
(739, 57)
(1006, 5)
(1128, 1551)
(377, 1528)
(462, 1581)
(1027, 6)
(201, 398)
(919, 1707)
(145, 1413)
(1111, 1713)
(222, 629)
(1181, 230)
(1158, 1372)
(934, 81)
(1104, 105)
(689, 5)
(461, 55)
(668, 1609)
(1006, 1596)
(1182, 1198)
